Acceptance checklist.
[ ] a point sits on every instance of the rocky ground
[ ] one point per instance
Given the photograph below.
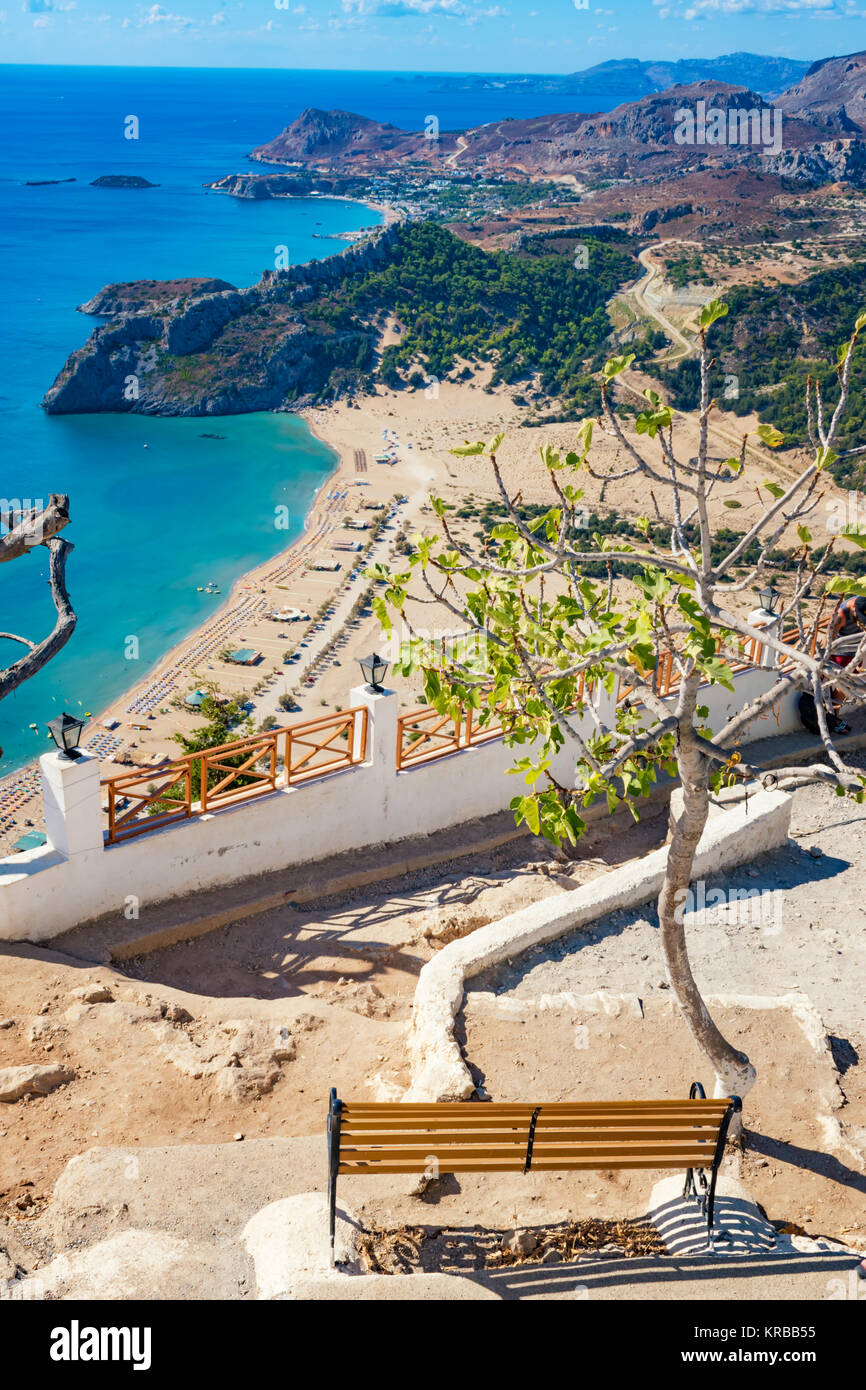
(138, 1102)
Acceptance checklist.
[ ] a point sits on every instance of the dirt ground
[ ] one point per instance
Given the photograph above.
(239, 1035)
(191, 1045)
(573, 1049)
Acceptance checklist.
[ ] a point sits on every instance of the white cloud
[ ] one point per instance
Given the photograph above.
(700, 9)
(157, 15)
(398, 9)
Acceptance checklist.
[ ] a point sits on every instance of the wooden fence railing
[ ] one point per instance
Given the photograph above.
(668, 677)
(146, 799)
(423, 735)
(199, 783)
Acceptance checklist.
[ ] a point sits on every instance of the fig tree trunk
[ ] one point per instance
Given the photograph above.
(733, 1072)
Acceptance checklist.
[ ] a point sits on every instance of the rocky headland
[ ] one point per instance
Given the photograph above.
(298, 185)
(187, 348)
(146, 296)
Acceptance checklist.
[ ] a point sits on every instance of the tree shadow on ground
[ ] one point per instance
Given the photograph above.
(812, 1160)
(790, 863)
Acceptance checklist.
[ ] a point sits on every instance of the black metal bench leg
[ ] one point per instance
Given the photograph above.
(696, 1092)
(334, 1116)
(733, 1109)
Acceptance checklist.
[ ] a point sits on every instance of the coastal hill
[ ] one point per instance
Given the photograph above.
(635, 139)
(834, 90)
(145, 296)
(326, 138)
(628, 79)
(314, 332)
(216, 353)
(299, 185)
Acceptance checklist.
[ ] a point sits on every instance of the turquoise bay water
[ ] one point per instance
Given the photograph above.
(150, 524)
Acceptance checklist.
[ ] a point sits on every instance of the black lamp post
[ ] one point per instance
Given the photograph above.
(769, 597)
(374, 668)
(66, 731)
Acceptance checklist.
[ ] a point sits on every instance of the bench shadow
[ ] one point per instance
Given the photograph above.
(463, 1252)
(582, 1278)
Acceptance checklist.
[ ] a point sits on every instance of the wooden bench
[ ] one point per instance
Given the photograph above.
(578, 1136)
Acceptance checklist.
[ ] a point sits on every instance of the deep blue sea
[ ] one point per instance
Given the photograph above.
(150, 525)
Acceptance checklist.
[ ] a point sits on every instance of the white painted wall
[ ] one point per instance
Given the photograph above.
(75, 877)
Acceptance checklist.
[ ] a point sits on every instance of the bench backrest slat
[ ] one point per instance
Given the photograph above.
(460, 1136)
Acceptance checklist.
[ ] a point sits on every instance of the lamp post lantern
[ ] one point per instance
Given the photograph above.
(66, 732)
(769, 598)
(374, 668)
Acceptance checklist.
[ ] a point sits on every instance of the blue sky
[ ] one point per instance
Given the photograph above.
(434, 35)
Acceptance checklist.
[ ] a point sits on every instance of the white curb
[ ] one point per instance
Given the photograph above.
(438, 1069)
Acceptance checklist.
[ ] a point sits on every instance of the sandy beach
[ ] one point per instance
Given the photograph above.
(417, 429)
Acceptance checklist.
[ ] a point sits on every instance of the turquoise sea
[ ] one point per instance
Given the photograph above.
(149, 525)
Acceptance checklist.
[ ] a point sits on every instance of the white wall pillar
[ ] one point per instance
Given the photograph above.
(382, 708)
(72, 802)
(770, 622)
(604, 703)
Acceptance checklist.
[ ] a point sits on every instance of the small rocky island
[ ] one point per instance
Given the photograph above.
(122, 181)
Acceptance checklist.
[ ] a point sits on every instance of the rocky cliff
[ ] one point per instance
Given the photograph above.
(147, 296)
(830, 161)
(328, 139)
(219, 352)
(299, 185)
(635, 140)
(833, 89)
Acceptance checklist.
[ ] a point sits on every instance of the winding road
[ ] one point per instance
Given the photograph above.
(637, 293)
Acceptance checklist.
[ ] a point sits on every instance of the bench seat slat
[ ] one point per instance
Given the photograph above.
(450, 1138)
(517, 1125)
(515, 1165)
(408, 1108)
(445, 1152)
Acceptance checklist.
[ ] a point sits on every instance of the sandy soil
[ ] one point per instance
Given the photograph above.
(243, 1032)
(806, 936)
(349, 963)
